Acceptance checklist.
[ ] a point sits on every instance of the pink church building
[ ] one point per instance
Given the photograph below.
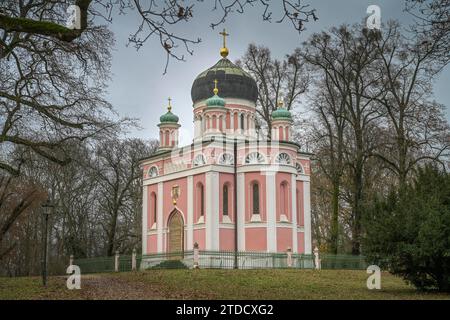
(230, 189)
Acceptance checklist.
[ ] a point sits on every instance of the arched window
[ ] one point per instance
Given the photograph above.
(152, 172)
(226, 159)
(200, 199)
(225, 200)
(255, 198)
(166, 138)
(254, 158)
(284, 204)
(153, 206)
(199, 160)
(242, 121)
(283, 158)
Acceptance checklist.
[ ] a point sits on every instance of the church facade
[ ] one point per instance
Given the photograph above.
(229, 190)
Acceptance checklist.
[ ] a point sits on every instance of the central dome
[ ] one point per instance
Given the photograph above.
(233, 82)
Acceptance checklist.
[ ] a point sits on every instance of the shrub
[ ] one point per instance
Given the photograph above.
(408, 232)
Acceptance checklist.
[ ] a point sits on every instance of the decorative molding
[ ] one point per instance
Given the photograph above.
(144, 218)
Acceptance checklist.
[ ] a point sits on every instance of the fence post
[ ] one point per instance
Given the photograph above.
(317, 258)
(133, 260)
(196, 255)
(71, 260)
(289, 257)
(116, 262)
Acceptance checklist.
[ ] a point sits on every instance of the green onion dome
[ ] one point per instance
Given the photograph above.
(215, 100)
(281, 113)
(169, 117)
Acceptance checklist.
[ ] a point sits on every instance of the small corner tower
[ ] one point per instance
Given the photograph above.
(214, 114)
(281, 123)
(168, 129)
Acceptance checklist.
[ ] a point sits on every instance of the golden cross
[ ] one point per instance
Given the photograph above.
(170, 106)
(225, 35)
(216, 91)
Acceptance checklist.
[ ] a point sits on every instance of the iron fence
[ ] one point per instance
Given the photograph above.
(221, 260)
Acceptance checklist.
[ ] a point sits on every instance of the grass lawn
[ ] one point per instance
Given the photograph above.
(217, 284)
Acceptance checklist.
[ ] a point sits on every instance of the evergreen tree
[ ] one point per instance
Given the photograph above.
(408, 232)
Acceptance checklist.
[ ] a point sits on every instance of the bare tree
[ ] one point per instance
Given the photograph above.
(16, 198)
(51, 91)
(415, 123)
(329, 125)
(345, 57)
(277, 80)
(117, 171)
(157, 18)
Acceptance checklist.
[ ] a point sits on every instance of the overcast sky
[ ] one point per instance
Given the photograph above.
(139, 89)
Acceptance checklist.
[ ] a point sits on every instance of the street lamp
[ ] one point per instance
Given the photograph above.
(47, 207)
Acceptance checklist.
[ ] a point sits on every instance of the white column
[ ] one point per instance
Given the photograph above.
(159, 218)
(271, 212)
(241, 210)
(190, 213)
(307, 218)
(294, 213)
(144, 219)
(232, 122)
(212, 210)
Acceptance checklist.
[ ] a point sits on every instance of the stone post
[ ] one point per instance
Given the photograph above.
(289, 257)
(196, 255)
(133, 260)
(71, 260)
(116, 262)
(316, 258)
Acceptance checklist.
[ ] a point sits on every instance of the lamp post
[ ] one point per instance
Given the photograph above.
(47, 207)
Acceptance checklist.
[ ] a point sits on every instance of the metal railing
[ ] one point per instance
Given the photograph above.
(220, 260)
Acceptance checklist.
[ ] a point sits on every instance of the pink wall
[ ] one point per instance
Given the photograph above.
(261, 179)
(286, 178)
(200, 238)
(226, 237)
(284, 239)
(223, 179)
(199, 178)
(151, 244)
(255, 239)
(301, 242)
(152, 189)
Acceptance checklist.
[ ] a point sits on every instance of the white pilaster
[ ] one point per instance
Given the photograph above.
(159, 217)
(190, 213)
(294, 213)
(241, 210)
(271, 212)
(144, 218)
(307, 218)
(212, 210)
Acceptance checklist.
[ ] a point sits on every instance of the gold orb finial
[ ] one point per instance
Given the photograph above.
(280, 103)
(216, 90)
(169, 107)
(224, 50)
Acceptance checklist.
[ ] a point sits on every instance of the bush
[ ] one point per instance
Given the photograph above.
(408, 233)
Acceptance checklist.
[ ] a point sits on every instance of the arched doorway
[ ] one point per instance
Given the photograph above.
(175, 234)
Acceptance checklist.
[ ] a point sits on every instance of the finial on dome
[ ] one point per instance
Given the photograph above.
(169, 107)
(280, 104)
(216, 90)
(224, 50)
